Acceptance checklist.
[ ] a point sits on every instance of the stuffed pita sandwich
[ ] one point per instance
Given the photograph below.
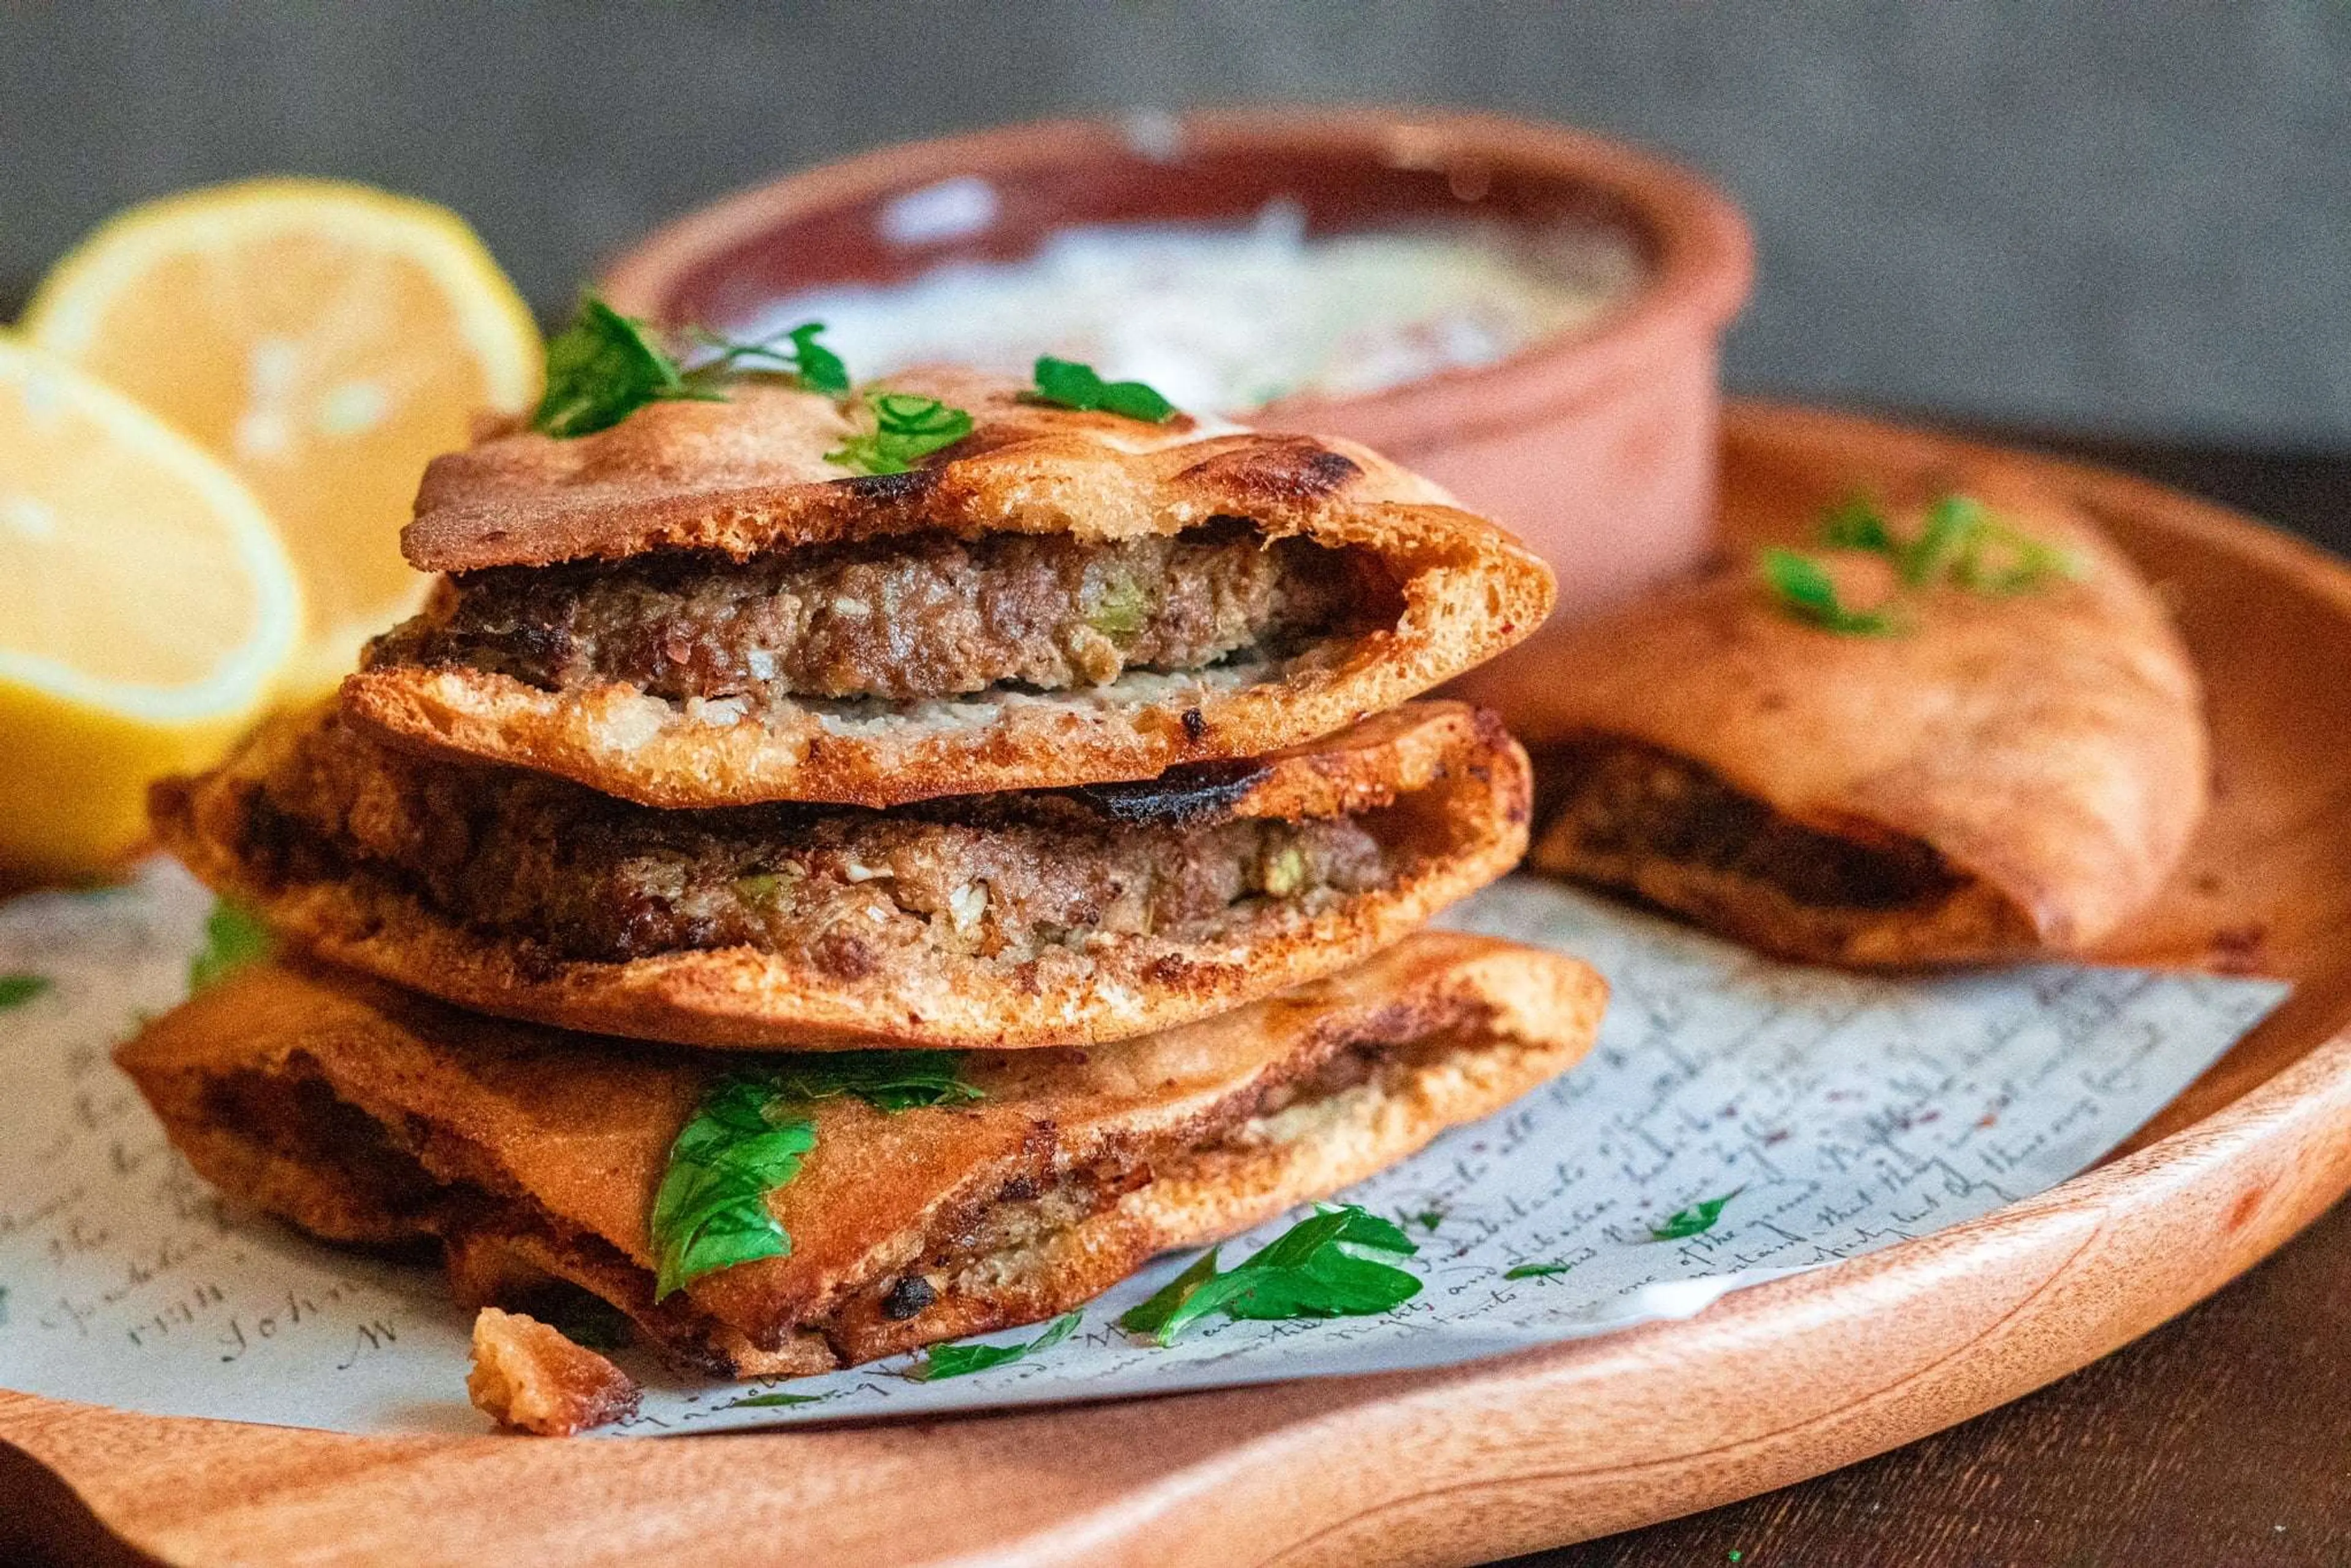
(2004, 759)
(706, 604)
(1050, 918)
(1004, 1189)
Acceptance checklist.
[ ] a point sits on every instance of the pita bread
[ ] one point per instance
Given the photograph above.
(1439, 787)
(365, 1113)
(747, 477)
(2014, 775)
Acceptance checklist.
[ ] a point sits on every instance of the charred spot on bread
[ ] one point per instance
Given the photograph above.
(1201, 792)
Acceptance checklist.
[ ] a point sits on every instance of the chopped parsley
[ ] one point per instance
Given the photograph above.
(1855, 523)
(602, 369)
(809, 364)
(1961, 543)
(233, 939)
(906, 427)
(1535, 1270)
(16, 990)
(1952, 525)
(1804, 588)
(962, 1360)
(605, 366)
(1333, 1264)
(886, 1079)
(1987, 556)
(1068, 385)
(771, 1401)
(1696, 1220)
(749, 1136)
(710, 1211)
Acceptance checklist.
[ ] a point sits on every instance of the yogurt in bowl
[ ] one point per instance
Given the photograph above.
(1226, 319)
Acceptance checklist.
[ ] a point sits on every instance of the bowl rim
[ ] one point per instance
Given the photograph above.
(1701, 268)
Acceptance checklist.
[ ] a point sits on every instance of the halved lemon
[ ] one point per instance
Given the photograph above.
(327, 338)
(147, 608)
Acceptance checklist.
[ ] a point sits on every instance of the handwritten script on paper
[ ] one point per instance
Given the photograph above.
(1738, 1120)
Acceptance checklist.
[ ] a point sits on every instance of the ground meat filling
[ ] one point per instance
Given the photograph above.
(924, 615)
(1624, 801)
(587, 877)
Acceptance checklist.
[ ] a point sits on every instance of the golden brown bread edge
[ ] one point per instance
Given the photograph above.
(2048, 747)
(747, 475)
(1449, 787)
(533, 1153)
(528, 1377)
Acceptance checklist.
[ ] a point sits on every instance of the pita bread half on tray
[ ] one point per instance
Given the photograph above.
(695, 608)
(1050, 918)
(2013, 768)
(365, 1113)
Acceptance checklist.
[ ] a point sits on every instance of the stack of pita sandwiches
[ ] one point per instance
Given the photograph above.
(824, 906)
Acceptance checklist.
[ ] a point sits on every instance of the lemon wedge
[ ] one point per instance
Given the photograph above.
(147, 608)
(326, 340)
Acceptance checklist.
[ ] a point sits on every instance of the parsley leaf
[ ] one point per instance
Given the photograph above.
(905, 427)
(1952, 525)
(771, 1401)
(886, 1079)
(1855, 523)
(233, 939)
(810, 364)
(602, 369)
(16, 990)
(1696, 1220)
(1997, 561)
(710, 1211)
(1959, 542)
(1805, 590)
(1068, 385)
(605, 366)
(962, 1360)
(1327, 1266)
(745, 1141)
(1535, 1270)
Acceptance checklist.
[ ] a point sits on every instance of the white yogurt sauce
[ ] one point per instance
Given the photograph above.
(1227, 320)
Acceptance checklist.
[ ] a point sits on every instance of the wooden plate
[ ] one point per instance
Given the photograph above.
(1772, 1385)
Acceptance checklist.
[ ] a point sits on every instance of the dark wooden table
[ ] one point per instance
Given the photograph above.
(2220, 1441)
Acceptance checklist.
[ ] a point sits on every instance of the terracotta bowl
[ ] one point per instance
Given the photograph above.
(1597, 446)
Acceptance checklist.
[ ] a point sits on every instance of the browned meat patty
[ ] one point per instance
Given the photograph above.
(589, 877)
(1623, 800)
(923, 615)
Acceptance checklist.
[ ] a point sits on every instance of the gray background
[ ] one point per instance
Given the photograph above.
(2105, 214)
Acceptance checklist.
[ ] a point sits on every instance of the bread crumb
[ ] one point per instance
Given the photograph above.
(527, 1376)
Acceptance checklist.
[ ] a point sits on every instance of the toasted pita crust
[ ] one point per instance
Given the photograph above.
(2043, 753)
(749, 475)
(1442, 786)
(531, 1151)
(529, 1378)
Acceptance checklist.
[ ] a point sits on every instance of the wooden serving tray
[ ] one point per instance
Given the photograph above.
(1771, 1386)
